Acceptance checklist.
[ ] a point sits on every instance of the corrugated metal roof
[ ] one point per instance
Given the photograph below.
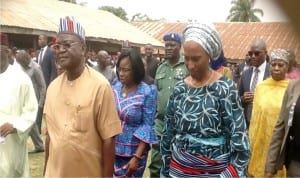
(236, 37)
(44, 15)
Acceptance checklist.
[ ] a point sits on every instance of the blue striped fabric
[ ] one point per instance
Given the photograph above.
(69, 24)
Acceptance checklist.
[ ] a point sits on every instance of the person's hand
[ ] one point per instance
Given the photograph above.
(6, 129)
(131, 166)
(248, 97)
(269, 175)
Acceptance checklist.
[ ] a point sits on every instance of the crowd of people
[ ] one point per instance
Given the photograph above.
(193, 115)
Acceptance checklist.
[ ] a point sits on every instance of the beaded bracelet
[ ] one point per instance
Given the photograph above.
(138, 157)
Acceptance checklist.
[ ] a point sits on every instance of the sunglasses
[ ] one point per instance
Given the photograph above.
(256, 53)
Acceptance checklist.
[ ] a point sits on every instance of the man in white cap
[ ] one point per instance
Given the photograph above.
(79, 111)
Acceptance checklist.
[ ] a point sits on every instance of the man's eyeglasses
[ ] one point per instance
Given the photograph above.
(64, 45)
(256, 53)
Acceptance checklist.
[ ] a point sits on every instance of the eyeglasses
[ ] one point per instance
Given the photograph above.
(64, 45)
(256, 53)
(125, 70)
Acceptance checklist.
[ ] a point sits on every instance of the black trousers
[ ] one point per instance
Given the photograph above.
(39, 118)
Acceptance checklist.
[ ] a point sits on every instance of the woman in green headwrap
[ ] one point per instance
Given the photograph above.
(205, 132)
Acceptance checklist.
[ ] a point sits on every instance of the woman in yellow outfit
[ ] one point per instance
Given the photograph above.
(266, 108)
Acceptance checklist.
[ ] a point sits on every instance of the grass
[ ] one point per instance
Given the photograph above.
(36, 162)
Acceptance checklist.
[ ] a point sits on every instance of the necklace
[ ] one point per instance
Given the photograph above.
(126, 90)
(211, 73)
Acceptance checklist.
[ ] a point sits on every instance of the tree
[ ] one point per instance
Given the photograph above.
(243, 11)
(83, 3)
(119, 12)
(70, 1)
(138, 17)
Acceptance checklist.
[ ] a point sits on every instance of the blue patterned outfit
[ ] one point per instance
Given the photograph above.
(136, 111)
(204, 122)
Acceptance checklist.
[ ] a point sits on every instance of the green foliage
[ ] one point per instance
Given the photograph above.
(244, 11)
(138, 17)
(119, 12)
(70, 1)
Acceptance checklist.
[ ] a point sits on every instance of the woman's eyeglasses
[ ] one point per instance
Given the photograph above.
(256, 53)
(125, 70)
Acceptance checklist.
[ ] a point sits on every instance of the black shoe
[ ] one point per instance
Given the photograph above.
(36, 151)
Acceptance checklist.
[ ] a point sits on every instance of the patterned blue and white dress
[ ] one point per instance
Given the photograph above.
(136, 111)
(205, 122)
